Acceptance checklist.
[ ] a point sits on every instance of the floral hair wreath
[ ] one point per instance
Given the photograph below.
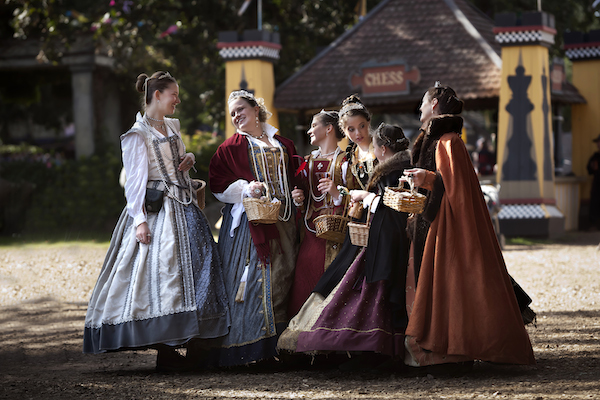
(244, 94)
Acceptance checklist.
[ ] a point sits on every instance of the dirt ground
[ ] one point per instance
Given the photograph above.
(44, 291)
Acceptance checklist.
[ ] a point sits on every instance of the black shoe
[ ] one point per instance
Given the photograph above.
(450, 369)
(529, 316)
(168, 360)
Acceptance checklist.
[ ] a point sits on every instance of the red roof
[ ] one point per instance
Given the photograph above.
(446, 40)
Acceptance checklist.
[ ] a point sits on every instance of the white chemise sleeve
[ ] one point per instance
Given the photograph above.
(371, 202)
(234, 192)
(135, 161)
(234, 195)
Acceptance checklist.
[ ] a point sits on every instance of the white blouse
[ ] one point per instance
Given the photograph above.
(135, 161)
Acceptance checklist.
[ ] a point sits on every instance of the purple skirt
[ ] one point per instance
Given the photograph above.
(358, 318)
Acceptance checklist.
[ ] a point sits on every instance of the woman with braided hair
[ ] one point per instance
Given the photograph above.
(365, 311)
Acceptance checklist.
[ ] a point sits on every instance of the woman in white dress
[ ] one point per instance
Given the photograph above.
(161, 284)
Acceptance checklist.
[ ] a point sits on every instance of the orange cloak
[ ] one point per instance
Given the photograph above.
(465, 303)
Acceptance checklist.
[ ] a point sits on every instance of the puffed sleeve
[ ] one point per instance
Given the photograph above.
(234, 192)
(135, 161)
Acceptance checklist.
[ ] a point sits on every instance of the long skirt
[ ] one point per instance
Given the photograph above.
(257, 295)
(314, 257)
(355, 316)
(169, 291)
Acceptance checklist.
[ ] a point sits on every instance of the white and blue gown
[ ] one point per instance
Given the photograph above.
(170, 290)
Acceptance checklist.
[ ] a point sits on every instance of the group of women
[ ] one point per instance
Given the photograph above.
(429, 288)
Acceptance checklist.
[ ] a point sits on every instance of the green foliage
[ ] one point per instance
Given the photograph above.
(53, 195)
(203, 145)
(181, 37)
(570, 15)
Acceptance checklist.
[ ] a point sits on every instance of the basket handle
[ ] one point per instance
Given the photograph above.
(267, 191)
(346, 207)
(369, 217)
(410, 181)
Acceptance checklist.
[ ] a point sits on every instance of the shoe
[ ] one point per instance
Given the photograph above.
(529, 316)
(450, 369)
(168, 360)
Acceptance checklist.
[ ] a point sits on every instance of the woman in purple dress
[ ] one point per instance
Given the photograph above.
(365, 310)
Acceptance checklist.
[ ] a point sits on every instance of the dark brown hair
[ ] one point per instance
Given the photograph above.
(160, 80)
(448, 101)
(330, 118)
(390, 136)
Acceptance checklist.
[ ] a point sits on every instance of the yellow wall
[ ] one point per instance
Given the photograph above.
(260, 77)
(535, 61)
(585, 118)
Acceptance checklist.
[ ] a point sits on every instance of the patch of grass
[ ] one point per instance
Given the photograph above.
(521, 241)
(56, 238)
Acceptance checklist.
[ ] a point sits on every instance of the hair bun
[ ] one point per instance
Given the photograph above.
(140, 82)
(400, 144)
(353, 98)
(392, 137)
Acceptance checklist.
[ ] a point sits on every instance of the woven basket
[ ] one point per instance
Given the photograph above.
(359, 231)
(201, 193)
(331, 227)
(404, 200)
(262, 211)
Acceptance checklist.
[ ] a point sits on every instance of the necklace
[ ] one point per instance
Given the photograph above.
(362, 170)
(155, 120)
(258, 137)
(158, 124)
(313, 199)
(328, 154)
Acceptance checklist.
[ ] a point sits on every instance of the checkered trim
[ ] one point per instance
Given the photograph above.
(522, 211)
(583, 52)
(529, 211)
(524, 37)
(249, 52)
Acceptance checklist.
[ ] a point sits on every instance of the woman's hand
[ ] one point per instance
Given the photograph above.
(256, 189)
(326, 185)
(418, 176)
(142, 233)
(358, 195)
(187, 162)
(298, 196)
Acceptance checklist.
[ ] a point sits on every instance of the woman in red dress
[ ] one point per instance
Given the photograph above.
(322, 172)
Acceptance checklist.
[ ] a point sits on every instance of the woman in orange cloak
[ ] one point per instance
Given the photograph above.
(464, 307)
